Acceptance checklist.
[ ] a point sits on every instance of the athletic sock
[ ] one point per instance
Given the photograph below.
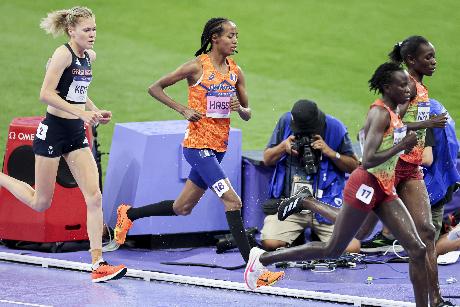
(235, 223)
(163, 208)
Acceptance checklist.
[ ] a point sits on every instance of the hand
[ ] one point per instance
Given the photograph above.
(234, 103)
(90, 117)
(191, 115)
(409, 141)
(438, 121)
(288, 146)
(106, 116)
(321, 145)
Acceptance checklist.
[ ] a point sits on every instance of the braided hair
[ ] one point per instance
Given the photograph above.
(383, 75)
(407, 47)
(213, 26)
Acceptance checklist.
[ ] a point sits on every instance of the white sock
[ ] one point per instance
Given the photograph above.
(96, 264)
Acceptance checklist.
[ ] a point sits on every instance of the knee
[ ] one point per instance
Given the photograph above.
(184, 209)
(427, 232)
(417, 252)
(42, 205)
(94, 199)
(271, 245)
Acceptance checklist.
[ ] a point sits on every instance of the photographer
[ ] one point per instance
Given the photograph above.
(307, 148)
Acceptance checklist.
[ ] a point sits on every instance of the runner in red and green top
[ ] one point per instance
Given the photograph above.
(369, 188)
(418, 55)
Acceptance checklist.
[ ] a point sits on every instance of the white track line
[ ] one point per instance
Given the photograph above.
(212, 283)
(22, 303)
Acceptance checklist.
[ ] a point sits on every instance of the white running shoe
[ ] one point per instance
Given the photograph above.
(254, 268)
(454, 234)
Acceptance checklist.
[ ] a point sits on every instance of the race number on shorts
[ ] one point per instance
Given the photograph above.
(220, 187)
(41, 131)
(365, 194)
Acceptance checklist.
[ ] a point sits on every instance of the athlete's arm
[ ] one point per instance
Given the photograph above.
(378, 121)
(191, 71)
(243, 106)
(60, 60)
(437, 121)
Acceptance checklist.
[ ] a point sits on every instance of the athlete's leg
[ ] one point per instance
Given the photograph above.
(39, 199)
(84, 169)
(188, 198)
(396, 217)
(347, 224)
(415, 197)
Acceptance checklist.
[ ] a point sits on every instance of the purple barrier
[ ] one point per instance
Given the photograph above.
(146, 165)
(256, 179)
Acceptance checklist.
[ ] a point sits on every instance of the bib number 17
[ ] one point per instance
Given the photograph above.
(365, 194)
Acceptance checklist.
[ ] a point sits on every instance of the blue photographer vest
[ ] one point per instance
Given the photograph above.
(331, 179)
(443, 172)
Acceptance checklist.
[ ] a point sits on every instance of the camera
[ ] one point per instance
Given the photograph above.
(227, 241)
(309, 157)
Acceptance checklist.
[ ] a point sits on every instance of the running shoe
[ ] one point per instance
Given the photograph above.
(269, 278)
(293, 204)
(454, 234)
(380, 243)
(123, 224)
(256, 274)
(105, 272)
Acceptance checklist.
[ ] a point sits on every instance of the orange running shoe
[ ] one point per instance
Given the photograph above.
(107, 272)
(123, 224)
(268, 278)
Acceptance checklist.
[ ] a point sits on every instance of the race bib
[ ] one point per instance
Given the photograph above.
(220, 187)
(41, 131)
(399, 134)
(217, 106)
(365, 194)
(423, 112)
(78, 90)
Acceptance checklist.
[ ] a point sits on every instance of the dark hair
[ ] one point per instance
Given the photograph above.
(407, 47)
(383, 75)
(213, 26)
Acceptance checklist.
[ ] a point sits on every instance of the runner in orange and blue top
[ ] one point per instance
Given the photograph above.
(369, 188)
(418, 54)
(216, 89)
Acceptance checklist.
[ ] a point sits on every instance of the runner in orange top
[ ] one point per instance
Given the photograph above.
(418, 54)
(216, 88)
(211, 95)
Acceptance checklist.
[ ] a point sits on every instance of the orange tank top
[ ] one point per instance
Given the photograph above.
(385, 172)
(418, 110)
(211, 96)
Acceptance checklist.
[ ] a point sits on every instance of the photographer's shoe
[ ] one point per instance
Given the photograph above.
(293, 204)
(123, 224)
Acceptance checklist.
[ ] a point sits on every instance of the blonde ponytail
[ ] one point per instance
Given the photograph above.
(58, 22)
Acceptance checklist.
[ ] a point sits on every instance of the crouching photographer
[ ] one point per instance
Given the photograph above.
(308, 149)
